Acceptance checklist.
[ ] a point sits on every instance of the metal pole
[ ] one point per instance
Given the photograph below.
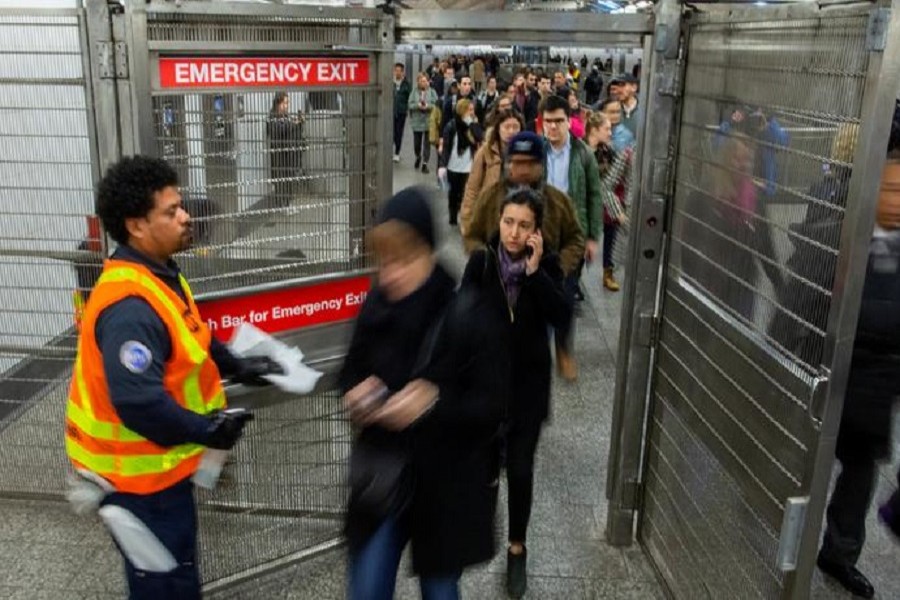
(882, 82)
(656, 149)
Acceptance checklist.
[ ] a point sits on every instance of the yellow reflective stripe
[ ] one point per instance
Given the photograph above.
(195, 351)
(130, 466)
(100, 430)
(193, 397)
(216, 402)
(82, 387)
(185, 287)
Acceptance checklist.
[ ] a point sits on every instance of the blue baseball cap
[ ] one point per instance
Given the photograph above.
(526, 143)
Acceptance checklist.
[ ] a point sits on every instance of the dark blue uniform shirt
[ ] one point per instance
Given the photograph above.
(135, 346)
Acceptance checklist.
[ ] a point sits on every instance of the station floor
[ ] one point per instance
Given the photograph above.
(47, 553)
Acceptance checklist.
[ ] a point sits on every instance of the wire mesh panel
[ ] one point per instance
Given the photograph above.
(273, 197)
(46, 248)
(285, 490)
(769, 120)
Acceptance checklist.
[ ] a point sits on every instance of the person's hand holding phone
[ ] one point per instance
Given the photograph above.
(534, 250)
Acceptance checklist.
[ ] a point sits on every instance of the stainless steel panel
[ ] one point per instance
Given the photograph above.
(47, 169)
(646, 250)
(753, 284)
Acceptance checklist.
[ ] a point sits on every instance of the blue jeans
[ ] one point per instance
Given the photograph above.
(373, 568)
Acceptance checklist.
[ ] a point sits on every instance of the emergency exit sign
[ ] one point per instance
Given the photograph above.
(225, 72)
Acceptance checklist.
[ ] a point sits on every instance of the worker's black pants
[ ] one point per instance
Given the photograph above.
(169, 516)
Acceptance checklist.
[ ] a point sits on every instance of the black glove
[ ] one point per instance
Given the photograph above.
(250, 370)
(226, 428)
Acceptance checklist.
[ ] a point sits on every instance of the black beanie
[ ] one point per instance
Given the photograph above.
(410, 206)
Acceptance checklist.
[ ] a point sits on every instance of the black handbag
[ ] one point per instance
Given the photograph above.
(381, 478)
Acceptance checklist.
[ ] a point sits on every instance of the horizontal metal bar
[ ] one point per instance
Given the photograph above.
(73, 256)
(36, 54)
(514, 22)
(37, 352)
(50, 109)
(213, 48)
(537, 38)
(224, 506)
(40, 12)
(789, 11)
(279, 285)
(272, 566)
(158, 7)
(43, 162)
(46, 81)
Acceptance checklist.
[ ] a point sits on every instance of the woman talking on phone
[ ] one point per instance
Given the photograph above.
(523, 286)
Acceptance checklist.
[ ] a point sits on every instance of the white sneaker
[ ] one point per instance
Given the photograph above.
(396, 158)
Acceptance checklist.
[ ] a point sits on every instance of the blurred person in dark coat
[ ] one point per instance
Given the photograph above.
(523, 285)
(428, 394)
(864, 437)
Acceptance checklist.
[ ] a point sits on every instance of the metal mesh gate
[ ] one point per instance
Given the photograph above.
(46, 195)
(271, 208)
(770, 115)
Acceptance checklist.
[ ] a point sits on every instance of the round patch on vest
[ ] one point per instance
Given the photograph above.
(135, 356)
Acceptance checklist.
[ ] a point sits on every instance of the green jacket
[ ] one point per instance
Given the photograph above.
(418, 118)
(401, 96)
(584, 188)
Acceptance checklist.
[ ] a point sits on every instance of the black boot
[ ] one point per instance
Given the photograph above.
(516, 575)
(418, 162)
(848, 576)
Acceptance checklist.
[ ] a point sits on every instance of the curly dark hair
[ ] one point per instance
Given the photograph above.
(127, 192)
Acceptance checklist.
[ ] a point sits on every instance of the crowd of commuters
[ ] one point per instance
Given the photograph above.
(470, 144)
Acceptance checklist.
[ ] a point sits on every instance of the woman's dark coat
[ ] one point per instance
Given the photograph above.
(541, 305)
(453, 449)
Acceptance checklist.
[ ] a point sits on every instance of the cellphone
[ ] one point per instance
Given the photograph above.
(529, 251)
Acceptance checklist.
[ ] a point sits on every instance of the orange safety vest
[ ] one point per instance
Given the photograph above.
(96, 439)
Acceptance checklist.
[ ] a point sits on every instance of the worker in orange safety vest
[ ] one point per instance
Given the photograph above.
(146, 398)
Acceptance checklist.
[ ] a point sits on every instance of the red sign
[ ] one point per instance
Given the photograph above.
(286, 309)
(223, 72)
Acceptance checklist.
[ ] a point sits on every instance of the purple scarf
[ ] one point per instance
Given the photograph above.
(512, 274)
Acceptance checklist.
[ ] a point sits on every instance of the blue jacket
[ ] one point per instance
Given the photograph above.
(140, 399)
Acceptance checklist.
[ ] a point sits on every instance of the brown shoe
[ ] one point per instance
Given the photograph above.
(565, 364)
(609, 282)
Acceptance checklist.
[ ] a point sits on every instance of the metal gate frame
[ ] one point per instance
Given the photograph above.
(644, 294)
(658, 34)
(123, 83)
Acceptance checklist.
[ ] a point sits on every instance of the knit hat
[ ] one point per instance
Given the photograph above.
(526, 143)
(411, 206)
